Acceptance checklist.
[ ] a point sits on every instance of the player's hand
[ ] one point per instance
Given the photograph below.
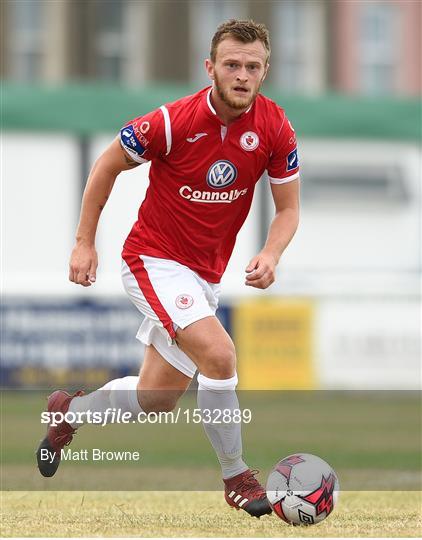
(261, 271)
(83, 265)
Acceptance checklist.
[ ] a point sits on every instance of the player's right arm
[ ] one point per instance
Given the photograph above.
(84, 261)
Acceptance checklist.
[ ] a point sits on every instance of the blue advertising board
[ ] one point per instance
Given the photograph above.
(70, 341)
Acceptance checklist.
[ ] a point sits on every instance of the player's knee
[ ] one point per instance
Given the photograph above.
(220, 362)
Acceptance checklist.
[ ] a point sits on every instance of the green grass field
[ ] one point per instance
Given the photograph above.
(198, 514)
(372, 441)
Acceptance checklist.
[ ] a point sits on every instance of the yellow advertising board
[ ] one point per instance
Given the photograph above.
(274, 344)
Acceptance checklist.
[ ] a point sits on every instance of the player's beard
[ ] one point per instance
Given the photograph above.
(237, 103)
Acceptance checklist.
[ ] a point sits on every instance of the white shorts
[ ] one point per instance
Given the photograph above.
(171, 296)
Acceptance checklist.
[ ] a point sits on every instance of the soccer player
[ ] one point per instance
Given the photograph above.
(207, 152)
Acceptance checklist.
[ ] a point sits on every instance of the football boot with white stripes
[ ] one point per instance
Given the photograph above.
(244, 492)
(57, 437)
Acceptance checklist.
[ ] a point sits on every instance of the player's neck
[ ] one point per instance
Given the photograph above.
(224, 112)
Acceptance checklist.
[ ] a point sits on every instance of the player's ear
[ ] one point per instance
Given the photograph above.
(267, 67)
(209, 66)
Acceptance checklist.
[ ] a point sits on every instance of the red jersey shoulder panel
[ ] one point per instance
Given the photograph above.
(281, 146)
(283, 163)
(181, 114)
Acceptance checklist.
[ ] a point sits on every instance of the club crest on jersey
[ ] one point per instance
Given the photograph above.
(292, 160)
(221, 174)
(249, 141)
(184, 301)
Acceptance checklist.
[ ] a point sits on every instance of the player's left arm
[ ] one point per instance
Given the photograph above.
(261, 269)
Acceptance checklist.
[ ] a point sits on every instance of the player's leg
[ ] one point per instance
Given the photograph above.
(160, 384)
(123, 393)
(157, 388)
(178, 300)
(212, 350)
(210, 347)
(163, 384)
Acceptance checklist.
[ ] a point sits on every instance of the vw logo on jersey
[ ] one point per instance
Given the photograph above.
(221, 174)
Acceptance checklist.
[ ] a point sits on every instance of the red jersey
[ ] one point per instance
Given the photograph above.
(203, 176)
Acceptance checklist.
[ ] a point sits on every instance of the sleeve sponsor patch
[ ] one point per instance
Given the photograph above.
(292, 160)
(130, 141)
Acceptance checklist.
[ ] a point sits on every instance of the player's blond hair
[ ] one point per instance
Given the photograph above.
(246, 31)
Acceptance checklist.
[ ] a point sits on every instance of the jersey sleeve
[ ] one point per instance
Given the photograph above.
(283, 165)
(144, 138)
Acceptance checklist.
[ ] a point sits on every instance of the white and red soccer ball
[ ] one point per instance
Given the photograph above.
(302, 489)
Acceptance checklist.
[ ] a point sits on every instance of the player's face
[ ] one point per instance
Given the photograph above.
(238, 71)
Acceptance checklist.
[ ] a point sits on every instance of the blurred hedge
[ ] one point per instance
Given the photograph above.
(89, 109)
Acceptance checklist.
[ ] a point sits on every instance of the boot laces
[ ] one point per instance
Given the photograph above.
(250, 485)
(65, 439)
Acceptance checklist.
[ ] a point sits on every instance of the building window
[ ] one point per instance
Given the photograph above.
(26, 43)
(289, 51)
(378, 42)
(109, 45)
(298, 47)
(205, 16)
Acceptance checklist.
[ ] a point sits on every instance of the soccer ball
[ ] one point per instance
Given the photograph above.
(302, 489)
